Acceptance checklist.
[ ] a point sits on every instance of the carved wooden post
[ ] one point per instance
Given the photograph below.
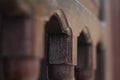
(84, 69)
(59, 51)
(100, 73)
(59, 56)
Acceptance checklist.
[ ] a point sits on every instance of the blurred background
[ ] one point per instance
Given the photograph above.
(108, 12)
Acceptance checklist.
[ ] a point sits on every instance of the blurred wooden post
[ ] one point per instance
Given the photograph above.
(19, 60)
(84, 69)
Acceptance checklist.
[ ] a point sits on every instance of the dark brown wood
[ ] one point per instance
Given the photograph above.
(60, 58)
(61, 72)
(83, 69)
(100, 71)
(58, 49)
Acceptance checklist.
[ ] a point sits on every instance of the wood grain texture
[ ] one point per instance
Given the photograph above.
(60, 49)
